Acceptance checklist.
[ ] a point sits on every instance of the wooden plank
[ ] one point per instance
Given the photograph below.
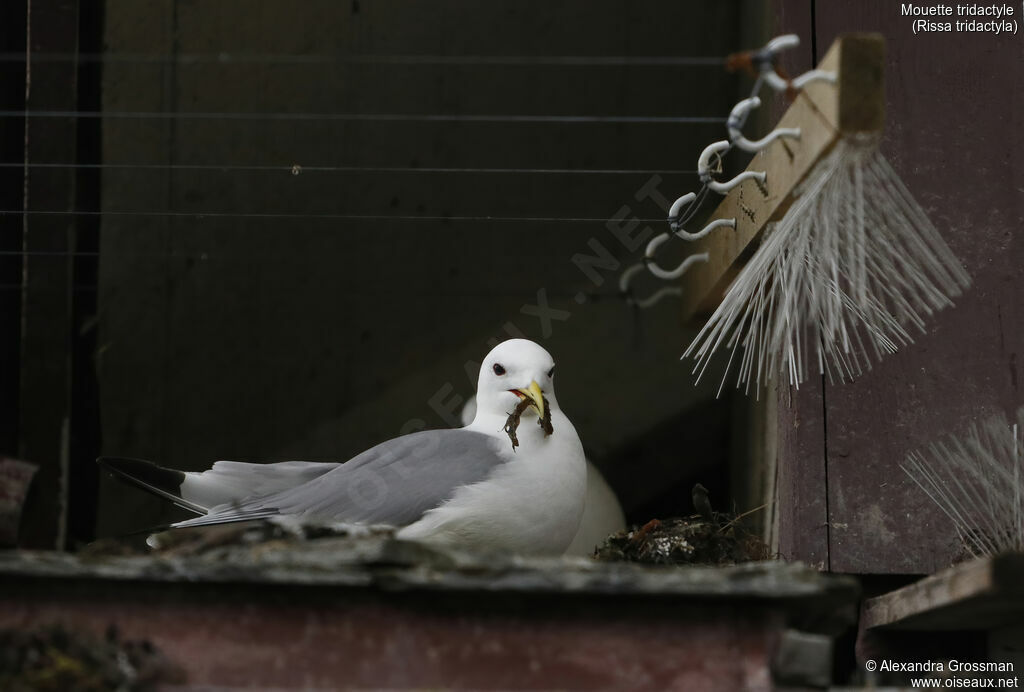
(45, 387)
(967, 365)
(823, 112)
(799, 527)
(980, 594)
(801, 511)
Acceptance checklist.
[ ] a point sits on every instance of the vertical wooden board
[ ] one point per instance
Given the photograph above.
(801, 505)
(953, 134)
(45, 405)
(802, 514)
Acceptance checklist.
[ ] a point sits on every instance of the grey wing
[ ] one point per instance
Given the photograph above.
(393, 483)
(237, 481)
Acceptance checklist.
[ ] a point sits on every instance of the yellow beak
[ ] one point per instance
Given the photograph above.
(534, 394)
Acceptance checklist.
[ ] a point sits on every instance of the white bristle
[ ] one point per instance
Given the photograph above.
(852, 266)
(976, 481)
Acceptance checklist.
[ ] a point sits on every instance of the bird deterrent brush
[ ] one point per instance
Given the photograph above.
(849, 266)
(848, 274)
(976, 480)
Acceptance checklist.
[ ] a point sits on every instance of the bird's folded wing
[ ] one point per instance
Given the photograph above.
(393, 483)
(237, 481)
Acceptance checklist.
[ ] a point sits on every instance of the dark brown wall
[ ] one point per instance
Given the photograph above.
(271, 338)
(954, 135)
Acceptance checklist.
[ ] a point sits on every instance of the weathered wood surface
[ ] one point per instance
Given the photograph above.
(977, 595)
(800, 509)
(382, 562)
(952, 128)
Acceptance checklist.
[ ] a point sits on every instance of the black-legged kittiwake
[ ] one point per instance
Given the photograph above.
(602, 512)
(466, 488)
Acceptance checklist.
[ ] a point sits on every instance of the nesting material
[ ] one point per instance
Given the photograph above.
(683, 541)
(977, 481)
(844, 278)
(512, 423)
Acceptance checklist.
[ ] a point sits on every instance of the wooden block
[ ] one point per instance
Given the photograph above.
(823, 112)
(15, 478)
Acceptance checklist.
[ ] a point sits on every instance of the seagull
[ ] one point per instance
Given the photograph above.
(467, 488)
(602, 512)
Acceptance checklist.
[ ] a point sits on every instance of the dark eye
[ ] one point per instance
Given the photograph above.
(498, 369)
(551, 372)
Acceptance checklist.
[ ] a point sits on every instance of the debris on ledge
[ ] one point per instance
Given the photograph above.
(56, 657)
(265, 552)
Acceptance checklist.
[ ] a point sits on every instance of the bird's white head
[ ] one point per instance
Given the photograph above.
(515, 370)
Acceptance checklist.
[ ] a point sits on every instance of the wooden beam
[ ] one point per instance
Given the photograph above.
(45, 391)
(980, 594)
(824, 113)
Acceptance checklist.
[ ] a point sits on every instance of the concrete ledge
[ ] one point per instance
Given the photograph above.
(393, 565)
(372, 612)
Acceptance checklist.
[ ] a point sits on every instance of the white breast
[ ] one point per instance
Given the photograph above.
(531, 505)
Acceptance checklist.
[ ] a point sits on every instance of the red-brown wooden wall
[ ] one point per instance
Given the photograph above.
(954, 116)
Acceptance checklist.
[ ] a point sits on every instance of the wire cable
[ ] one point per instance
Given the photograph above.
(297, 169)
(370, 117)
(286, 215)
(397, 59)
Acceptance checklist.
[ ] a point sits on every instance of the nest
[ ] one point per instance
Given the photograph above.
(683, 541)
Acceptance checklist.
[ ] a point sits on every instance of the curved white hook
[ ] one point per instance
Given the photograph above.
(717, 223)
(704, 169)
(671, 274)
(659, 240)
(678, 205)
(772, 79)
(626, 277)
(643, 303)
(781, 43)
(765, 61)
(739, 116)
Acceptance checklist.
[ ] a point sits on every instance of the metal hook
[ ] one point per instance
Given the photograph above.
(739, 116)
(765, 60)
(704, 169)
(781, 43)
(680, 232)
(677, 208)
(777, 83)
(643, 303)
(672, 274)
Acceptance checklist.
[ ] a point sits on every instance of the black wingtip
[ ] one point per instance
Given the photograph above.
(165, 483)
(145, 472)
